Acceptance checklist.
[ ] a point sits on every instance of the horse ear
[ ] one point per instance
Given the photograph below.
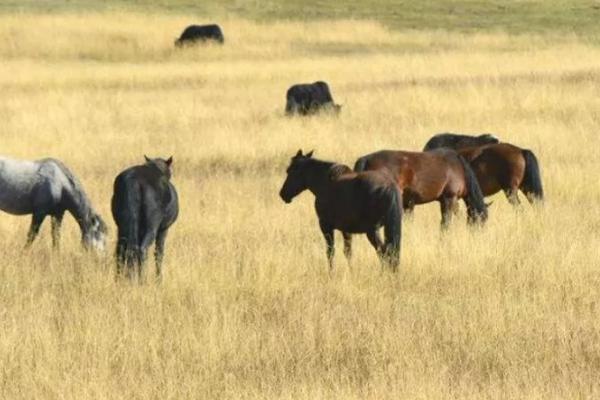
(169, 161)
(146, 158)
(299, 153)
(309, 154)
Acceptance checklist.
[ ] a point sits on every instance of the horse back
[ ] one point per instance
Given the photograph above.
(356, 202)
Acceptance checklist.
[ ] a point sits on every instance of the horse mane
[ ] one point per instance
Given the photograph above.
(84, 202)
(336, 170)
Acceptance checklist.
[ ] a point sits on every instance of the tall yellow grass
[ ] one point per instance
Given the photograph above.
(247, 309)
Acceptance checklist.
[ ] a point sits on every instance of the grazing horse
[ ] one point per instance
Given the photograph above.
(309, 99)
(505, 167)
(440, 175)
(144, 206)
(350, 202)
(458, 141)
(200, 33)
(47, 187)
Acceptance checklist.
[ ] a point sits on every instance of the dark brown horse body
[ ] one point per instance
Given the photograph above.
(423, 177)
(349, 202)
(503, 166)
(508, 168)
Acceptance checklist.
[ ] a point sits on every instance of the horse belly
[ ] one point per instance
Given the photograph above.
(15, 203)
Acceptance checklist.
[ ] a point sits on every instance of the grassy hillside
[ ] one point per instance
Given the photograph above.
(247, 308)
(515, 16)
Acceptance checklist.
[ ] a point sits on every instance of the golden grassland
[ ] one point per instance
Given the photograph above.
(247, 308)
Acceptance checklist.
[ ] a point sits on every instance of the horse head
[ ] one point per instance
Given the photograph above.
(296, 182)
(164, 166)
(94, 232)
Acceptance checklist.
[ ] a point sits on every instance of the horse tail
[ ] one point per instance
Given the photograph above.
(476, 207)
(532, 181)
(127, 209)
(392, 228)
(361, 164)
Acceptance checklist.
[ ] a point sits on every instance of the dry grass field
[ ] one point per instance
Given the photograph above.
(247, 308)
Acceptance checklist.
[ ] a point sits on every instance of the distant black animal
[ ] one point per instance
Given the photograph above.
(144, 206)
(457, 141)
(200, 33)
(309, 98)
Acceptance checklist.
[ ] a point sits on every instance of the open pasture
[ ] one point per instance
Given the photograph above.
(246, 308)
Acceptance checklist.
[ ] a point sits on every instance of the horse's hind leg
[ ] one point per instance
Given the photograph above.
(159, 251)
(512, 195)
(348, 247)
(447, 206)
(36, 223)
(56, 222)
(377, 243)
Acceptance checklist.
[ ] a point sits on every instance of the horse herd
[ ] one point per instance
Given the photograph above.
(383, 184)
(374, 194)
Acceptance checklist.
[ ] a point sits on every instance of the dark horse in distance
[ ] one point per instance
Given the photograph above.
(503, 166)
(310, 98)
(200, 33)
(144, 206)
(350, 202)
(423, 177)
(458, 141)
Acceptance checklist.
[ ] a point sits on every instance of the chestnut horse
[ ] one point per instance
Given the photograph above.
(349, 202)
(503, 166)
(423, 177)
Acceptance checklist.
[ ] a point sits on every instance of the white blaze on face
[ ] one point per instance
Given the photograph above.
(98, 241)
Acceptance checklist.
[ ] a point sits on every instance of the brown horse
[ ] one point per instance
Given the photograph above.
(440, 175)
(505, 167)
(349, 202)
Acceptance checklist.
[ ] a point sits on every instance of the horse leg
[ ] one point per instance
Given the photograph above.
(447, 205)
(377, 243)
(348, 247)
(56, 222)
(328, 234)
(36, 223)
(409, 209)
(159, 250)
(513, 196)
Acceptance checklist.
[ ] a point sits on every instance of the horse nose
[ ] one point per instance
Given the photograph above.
(286, 199)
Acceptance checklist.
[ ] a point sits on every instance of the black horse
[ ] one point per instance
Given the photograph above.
(144, 206)
(458, 141)
(310, 98)
(200, 33)
(350, 202)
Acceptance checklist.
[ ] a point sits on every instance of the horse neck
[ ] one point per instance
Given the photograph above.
(79, 206)
(318, 179)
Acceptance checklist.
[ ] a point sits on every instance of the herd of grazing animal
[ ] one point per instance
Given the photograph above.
(382, 186)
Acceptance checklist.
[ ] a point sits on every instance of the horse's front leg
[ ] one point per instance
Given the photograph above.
(327, 231)
(56, 222)
(348, 247)
(36, 223)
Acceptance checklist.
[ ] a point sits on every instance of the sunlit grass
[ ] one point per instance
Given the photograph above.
(247, 308)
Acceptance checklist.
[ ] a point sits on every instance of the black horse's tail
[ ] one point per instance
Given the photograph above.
(532, 180)
(360, 164)
(476, 207)
(392, 229)
(127, 204)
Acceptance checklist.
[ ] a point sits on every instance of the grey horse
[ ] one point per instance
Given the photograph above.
(47, 187)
